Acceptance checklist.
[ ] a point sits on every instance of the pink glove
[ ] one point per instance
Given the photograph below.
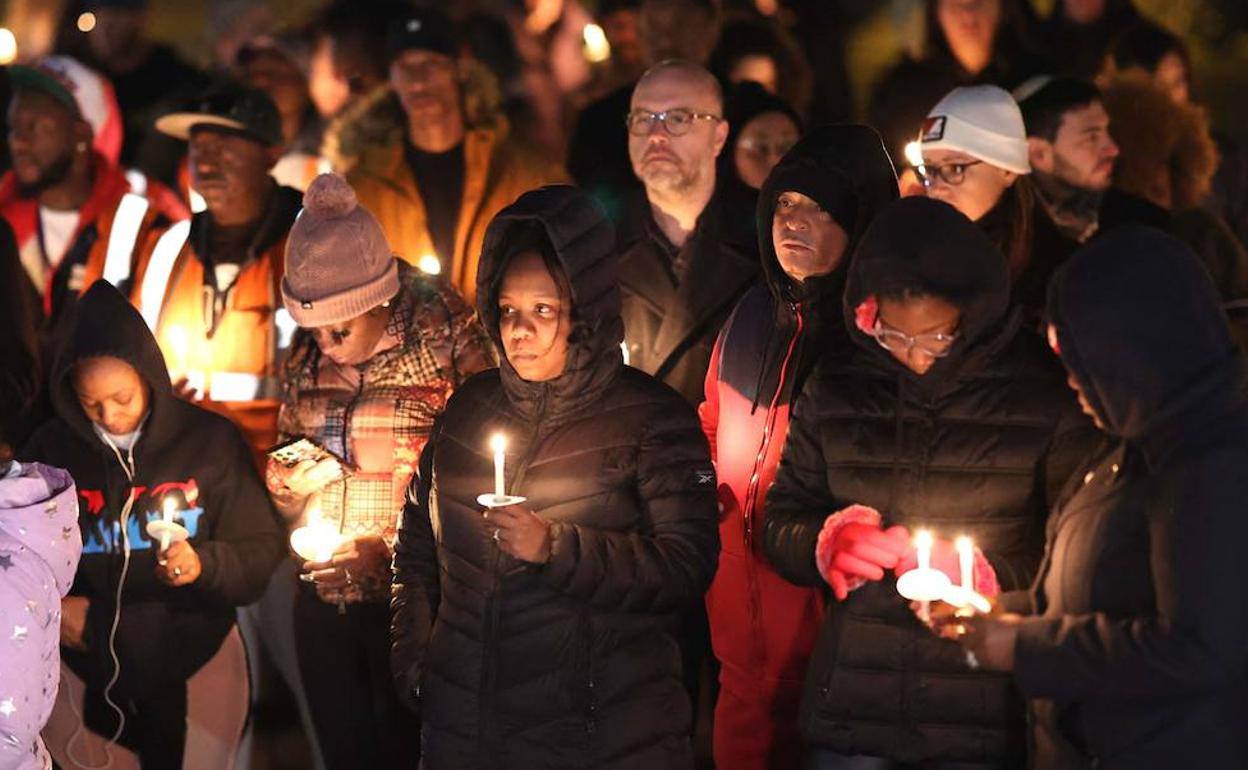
(852, 549)
(945, 559)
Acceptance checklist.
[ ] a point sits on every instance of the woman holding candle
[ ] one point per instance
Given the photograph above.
(542, 634)
(1136, 648)
(380, 350)
(948, 416)
(139, 621)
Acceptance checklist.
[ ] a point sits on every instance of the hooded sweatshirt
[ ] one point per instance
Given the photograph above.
(183, 456)
(1136, 658)
(979, 445)
(573, 663)
(39, 548)
(763, 627)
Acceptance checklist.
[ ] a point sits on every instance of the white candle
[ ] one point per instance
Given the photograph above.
(966, 560)
(170, 507)
(498, 444)
(923, 547)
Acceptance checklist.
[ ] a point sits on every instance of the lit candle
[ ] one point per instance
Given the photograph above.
(171, 506)
(316, 540)
(966, 560)
(498, 444)
(923, 546)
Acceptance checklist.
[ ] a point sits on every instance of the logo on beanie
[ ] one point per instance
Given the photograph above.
(933, 129)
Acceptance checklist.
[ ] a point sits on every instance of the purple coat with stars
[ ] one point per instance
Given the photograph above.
(39, 548)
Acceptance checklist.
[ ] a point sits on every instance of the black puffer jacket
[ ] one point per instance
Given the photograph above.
(979, 445)
(1141, 648)
(571, 664)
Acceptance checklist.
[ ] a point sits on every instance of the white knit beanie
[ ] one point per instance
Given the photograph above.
(981, 121)
(338, 264)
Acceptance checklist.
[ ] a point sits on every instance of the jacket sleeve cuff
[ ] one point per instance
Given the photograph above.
(1034, 669)
(986, 583)
(564, 544)
(854, 514)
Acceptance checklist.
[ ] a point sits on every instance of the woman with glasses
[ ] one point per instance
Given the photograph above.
(974, 147)
(950, 417)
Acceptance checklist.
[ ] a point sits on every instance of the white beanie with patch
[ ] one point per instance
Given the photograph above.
(981, 121)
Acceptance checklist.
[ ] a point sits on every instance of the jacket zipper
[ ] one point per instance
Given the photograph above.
(489, 662)
(769, 425)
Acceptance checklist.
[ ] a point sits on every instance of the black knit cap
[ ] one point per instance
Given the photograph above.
(423, 29)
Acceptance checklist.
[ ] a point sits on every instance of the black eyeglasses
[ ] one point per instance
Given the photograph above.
(949, 173)
(676, 122)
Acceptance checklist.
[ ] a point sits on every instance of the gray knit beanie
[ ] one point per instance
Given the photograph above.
(338, 264)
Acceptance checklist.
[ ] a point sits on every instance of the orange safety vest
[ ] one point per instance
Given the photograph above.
(235, 366)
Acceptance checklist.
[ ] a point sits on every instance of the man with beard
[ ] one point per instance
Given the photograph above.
(693, 249)
(1071, 152)
(666, 29)
(208, 287)
(72, 210)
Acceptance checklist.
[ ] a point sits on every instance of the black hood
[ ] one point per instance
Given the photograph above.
(105, 324)
(584, 244)
(846, 170)
(921, 245)
(1140, 326)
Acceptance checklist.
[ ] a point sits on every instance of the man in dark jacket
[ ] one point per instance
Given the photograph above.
(1136, 655)
(138, 453)
(597, 156)
(541, 635)
(691, 250)
(812, 211)
(969, 431)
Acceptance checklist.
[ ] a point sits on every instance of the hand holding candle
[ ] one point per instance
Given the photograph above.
(316, 540)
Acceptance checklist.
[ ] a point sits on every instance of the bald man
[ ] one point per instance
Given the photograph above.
(691, 250)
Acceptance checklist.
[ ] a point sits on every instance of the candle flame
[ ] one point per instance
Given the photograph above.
(498, 443)
(963, 544)
(171, 506)
(923, 539)
(914, 154)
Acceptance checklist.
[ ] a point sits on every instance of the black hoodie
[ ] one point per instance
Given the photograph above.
(572, 663)
(184, 453)
(980, 445)
(1139, 653)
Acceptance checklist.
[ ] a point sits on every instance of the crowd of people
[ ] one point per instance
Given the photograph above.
(511, 406)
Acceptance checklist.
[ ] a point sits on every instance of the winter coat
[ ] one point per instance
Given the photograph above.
(39, 549)
(376, 417)
(497, 169)
(184, 454)
(572, 663)
(676, 300)
(235, 362)
(979, 445)
(1139, 655)
(763, 627)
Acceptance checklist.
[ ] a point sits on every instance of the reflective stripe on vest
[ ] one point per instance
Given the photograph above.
(156, 280)
(122, 237)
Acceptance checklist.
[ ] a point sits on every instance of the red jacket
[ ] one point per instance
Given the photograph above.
(85, 257)
(763, 628)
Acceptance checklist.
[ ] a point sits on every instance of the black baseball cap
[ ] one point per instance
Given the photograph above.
(423, 29)
(242, 110)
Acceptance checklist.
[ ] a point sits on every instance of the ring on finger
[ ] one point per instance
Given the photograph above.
(177, 572)
(496, 535)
